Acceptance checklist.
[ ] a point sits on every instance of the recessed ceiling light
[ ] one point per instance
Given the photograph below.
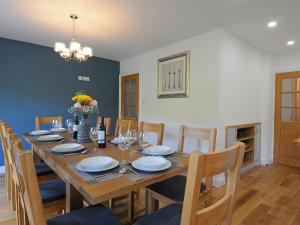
(290, 43)
(272, 24)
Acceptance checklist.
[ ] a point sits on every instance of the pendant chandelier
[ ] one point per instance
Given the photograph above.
(74, 52)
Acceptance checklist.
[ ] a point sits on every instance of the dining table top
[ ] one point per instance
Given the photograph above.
(98, 192)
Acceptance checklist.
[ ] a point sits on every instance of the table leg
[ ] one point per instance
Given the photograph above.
(36, 157)
(74, 199)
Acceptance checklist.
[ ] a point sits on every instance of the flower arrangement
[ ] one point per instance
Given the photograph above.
(84, 104)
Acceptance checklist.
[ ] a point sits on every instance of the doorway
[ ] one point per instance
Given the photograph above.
(130, 96)
(287, 119)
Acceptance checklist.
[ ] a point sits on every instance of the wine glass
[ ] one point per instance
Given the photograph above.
(70, 125)
(123, 146)
(54, 125)
(94, 136)
(68, 120)
(144, 141)
(131, 136)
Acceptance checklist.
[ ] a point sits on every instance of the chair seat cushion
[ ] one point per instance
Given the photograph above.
(43, 169)
(169, 215)
(173, 188)
(52, 190)
(92, 215)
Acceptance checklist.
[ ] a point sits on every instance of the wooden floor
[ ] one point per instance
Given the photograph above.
(266, 196)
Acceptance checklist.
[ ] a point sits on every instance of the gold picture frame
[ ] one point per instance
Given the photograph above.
(173, 76)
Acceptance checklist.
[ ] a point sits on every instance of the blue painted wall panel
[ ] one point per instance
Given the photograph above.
(34, 80)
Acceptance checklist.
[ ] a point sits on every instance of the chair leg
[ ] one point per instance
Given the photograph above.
(13, 196)
(8, 179)
(131, 206)
(111, 203)
(152, 204)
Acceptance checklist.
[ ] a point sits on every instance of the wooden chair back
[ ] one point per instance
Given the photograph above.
(157, 128)
(3, 142)
(45, 120)
(8, 175)
(125, 124)
(8, 137)
(208, 134)
(29, 192)
(210, 164)
(107, 123)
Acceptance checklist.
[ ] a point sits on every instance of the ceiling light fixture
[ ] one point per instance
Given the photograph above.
(290, 42)
(74, 52)
(272, 24)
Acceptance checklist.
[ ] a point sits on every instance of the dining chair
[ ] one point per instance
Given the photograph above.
(7, 170)
(157, 128)
(200, 166)
(45, 120)
(107, 123)
(44, 172)
(124, 124)
(30, 195)
(52, 191)
(172, 190)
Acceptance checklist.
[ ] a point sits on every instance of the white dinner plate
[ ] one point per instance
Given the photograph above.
(97, 164)
(57, 130)
(151, 163)
(39, 132)
(159, 150)
(67, 148)
(50, 137)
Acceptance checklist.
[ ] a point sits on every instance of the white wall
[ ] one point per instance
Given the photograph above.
(244, 73)
(285, 62)
(227, 78)
(201, 107)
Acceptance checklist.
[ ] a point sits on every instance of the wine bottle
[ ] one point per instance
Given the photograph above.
(75, 127)
(102, 134)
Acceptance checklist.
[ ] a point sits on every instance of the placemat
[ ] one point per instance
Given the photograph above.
(132, 174)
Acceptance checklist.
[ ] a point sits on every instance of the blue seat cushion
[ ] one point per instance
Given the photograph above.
(169, 215)
(43, 169)
(173, 188)
(92, 215)
(52, 190)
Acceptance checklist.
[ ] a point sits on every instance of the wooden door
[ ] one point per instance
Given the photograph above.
(130, 96)
(287, 118)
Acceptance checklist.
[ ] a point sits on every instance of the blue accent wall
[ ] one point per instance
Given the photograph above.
(35, 81)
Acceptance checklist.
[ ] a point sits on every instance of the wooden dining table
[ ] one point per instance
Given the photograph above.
(78, 189)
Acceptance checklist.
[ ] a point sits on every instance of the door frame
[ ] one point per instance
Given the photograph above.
(137, 77)
(277, 111)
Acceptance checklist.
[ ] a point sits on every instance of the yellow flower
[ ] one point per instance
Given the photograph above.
(82, 99)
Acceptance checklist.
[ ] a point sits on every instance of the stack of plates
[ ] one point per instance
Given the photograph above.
(159, 150)
(151, 163)
(57, 130)
(97, 164)
(39, 132)
(67, 148)
(50, 137)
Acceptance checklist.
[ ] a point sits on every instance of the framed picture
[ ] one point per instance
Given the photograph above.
(173, 76)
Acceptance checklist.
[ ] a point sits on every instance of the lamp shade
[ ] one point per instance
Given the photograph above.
(59, 47)
(75, 46)
(65, 53)
(87, 51)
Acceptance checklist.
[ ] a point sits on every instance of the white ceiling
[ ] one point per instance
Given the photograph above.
(120, 29)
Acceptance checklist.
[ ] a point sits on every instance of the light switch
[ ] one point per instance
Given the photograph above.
(86, 78)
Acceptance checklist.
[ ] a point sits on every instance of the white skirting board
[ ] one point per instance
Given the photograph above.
(2, 171)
